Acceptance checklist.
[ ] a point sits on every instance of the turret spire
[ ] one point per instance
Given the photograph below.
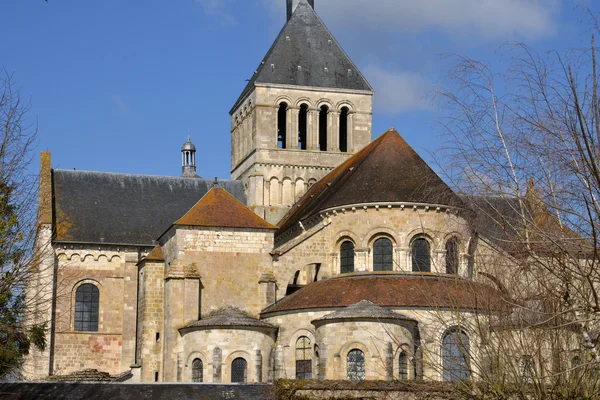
(188, 160)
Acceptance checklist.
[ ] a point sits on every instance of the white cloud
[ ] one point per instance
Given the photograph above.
(397, 91)
(120, 103)
(504, 19)
(218, 9)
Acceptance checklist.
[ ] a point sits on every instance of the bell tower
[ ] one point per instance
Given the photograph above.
(306, 109)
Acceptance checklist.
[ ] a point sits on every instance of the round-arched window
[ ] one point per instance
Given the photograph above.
(456, 356)
(421, 256)
(383, 259)
(87, 304)
(347, 257)
(356, 365)
(197, 370)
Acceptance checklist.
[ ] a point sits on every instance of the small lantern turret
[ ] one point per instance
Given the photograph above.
(188, 160)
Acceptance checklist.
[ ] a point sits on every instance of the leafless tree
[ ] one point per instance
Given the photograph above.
(17, 226)
(524, 148)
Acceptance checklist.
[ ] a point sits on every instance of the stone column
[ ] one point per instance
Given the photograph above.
(334, 131)
(311, 128)
(402, 257)
(279, 363)
(292, 134)
(389, 361)
(268, 288)
(361, 260)
(350, 133)
(217, 360)
(292, 125)
(258, 365)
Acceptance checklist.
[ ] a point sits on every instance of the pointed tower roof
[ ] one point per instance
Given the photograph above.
(386, 171)
(220, 209)
(306, 54)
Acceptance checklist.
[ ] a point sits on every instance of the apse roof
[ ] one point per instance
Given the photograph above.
(364, 309)
(305, 53)
(218, 208)
(392, 290)
(229, 317)
(387, 170)
(99, 207)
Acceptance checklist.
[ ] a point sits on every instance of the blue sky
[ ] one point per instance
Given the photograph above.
(118, 85)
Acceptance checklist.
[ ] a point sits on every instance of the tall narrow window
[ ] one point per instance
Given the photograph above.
(527, 368)
(87, 304)
(347, 257)
(455, 356)
(197, 370)
(302, 126)
(239, 370)
(304, 356)
(323, 114)
(356, 365)
(282, 125)
(452, 256)
(383, 255)
(421, 258)
(403, 366)
(344, 130)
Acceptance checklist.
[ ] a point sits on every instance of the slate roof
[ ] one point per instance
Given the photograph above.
(99, 207)
(218, 208)
(230, 317)
(392, 290)
(387, 170)
(306, 42)
(364, 309)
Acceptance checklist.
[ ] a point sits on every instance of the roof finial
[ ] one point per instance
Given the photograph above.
(216, 182)
(293, 4)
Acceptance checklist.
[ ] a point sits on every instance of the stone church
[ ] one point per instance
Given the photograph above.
(326, 256)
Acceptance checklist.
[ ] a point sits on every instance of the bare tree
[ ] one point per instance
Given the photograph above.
(524, 148)
(17, 227)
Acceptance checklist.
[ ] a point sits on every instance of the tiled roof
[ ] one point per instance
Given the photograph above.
(392, 290)
(387, 170)
(218, 208)
(306, 54)
(155, 255)
(231, 317)
(86, 375)
(364, 309)
(98, 207)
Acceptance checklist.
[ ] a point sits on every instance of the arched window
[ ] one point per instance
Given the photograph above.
(455, 356)
(403, 366)
(87, 303)
(302, 126)
(527, 368)
(356, 365)
(382, 255)
(347, 257)
(239, 370)
(197, 370)
(344, 129)
(282, 125)
(304, 356)
(421, 257)
(452, 256)
(323, 113)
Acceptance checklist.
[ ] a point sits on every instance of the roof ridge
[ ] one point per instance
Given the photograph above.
(137, 175)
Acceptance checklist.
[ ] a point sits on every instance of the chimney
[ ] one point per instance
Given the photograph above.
(292, 4)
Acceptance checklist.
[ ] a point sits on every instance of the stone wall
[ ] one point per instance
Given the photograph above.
(362, 225)
(253, 345)
(113, 271)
